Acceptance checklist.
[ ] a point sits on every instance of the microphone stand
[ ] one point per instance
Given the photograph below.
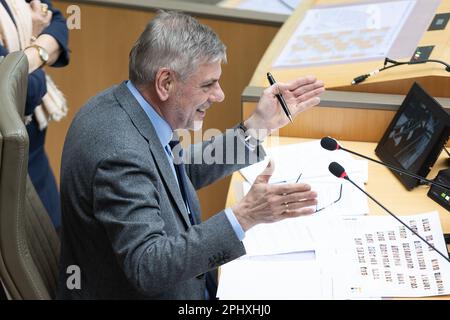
(431, 182)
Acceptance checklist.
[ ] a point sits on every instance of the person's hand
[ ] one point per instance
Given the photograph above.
(299, 94)
(40, 16)
(266, 203)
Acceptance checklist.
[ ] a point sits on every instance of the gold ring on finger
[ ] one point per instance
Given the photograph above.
(44, 8)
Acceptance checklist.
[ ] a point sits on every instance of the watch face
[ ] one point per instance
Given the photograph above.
(44, 54)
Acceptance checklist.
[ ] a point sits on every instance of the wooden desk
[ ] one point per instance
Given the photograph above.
(382, 185)
(339, 76)
(343, 113)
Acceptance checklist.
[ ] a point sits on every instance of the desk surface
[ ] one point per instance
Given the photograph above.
(382, 185)
(339, 76)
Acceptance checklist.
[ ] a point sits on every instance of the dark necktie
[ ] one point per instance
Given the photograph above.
(180, 170)
(182, 178)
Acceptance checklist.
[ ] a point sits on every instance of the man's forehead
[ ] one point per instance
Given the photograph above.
(208, 71)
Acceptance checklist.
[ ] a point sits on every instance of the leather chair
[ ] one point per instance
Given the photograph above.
(29, 245)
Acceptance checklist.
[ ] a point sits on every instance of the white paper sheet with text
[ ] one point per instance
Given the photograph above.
(376, 256)
(308, 159)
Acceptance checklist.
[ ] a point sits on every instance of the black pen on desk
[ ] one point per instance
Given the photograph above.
(280, 97)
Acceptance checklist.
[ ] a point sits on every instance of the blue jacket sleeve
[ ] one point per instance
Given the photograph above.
(58, 30)
(37, 87)
(3, 51)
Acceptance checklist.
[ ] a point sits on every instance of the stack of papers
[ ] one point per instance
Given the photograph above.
(376, 256)
(285, 277)
(285, 236)
(308, 159)
(337, 196)
(336, 253)
(359, 257)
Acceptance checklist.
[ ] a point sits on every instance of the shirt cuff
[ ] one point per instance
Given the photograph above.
(235, 224)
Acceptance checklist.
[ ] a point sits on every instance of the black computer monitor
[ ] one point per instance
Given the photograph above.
(416, 136)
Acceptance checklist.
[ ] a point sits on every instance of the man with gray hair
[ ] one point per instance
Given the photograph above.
(131, 217)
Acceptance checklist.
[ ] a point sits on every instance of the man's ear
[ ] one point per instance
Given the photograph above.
(163, 83)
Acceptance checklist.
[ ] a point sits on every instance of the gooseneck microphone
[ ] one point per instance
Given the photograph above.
(332, 145)
(337, 170)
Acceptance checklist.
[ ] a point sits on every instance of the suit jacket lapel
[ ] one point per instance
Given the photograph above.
(146, 129)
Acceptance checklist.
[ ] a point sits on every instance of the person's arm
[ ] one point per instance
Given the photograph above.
(219, 157)
(52, 35)
(299, 94)
(59, 32)
(264, 202)
(286, 200)
(3, 51)
(37, 87)
(129, 204)
(212, 160)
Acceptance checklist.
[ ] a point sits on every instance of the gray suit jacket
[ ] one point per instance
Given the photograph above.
(124, 221)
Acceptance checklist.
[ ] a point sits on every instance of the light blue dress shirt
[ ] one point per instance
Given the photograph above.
(165, 134)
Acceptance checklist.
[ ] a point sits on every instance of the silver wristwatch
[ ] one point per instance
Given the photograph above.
(251, 142)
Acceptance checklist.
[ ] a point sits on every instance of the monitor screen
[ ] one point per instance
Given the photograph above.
(416, 135)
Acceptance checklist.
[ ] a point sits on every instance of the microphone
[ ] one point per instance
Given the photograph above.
(338, 171)
(331, 145)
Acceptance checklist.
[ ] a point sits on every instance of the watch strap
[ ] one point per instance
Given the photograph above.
(249, 140)
(38, 49)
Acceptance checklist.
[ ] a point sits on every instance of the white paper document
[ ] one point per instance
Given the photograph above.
(335, 196)
(282, 277)
(364, 257)
(308, 159)
(345, 33)
(339, 197)
(299, 234)
(376, 256)
(285, 236)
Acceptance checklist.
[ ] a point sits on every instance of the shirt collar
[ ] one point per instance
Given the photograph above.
(162, 128)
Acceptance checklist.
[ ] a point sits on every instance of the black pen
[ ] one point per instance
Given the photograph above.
(280, 98)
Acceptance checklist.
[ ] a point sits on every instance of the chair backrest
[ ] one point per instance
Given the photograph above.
(29, 245)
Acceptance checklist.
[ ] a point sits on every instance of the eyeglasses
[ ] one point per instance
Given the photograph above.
(330, 204)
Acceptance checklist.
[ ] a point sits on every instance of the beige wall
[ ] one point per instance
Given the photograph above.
(99, 59)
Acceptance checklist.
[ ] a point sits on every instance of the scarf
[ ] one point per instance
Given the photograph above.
(18, 37)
